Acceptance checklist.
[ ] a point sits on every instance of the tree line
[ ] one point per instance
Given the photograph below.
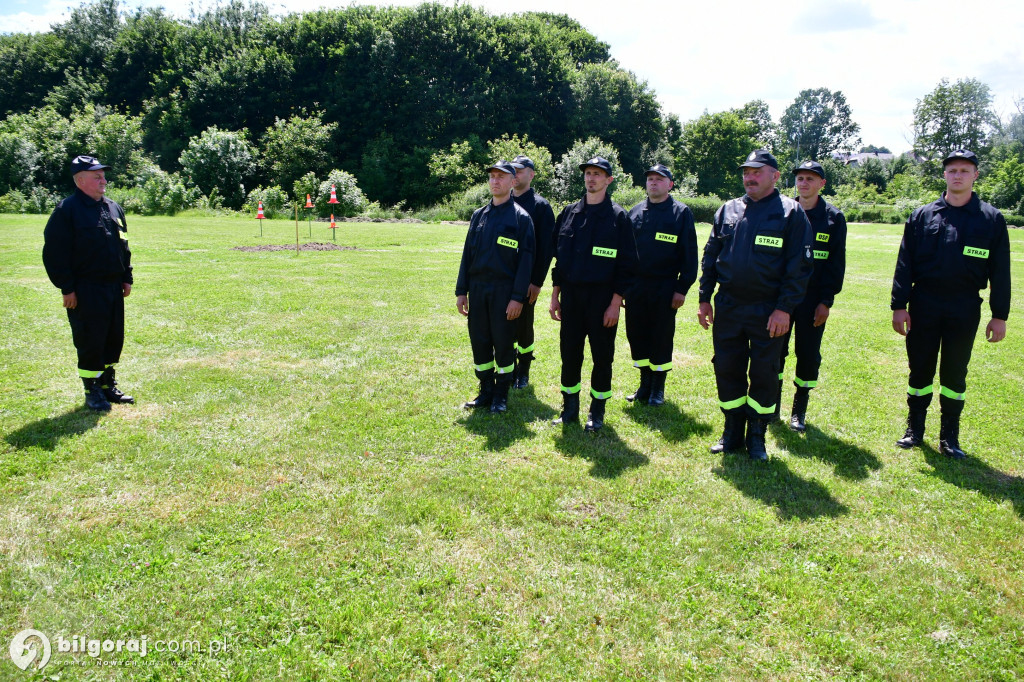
(402, 106)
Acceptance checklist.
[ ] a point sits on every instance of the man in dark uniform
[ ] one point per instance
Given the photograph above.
(86, 255)
(543, 230)
(594, 258)
(828, 227)
(495, 273)
(759, 256)
(667, 267)
(952, 248)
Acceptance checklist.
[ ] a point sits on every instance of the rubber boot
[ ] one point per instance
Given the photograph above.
(776, 416)
(570, 409)
(732, 434)
(110, 390)
(486, 394)
(595, 420)
(94, 398)
(949, 428)
(658, 389)
(917, 414)
(756, 427)
(798, 415)
(499, 403)
(643, 392)
(522, 374)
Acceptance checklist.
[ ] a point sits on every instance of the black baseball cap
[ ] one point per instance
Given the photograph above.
(961, 155)
(812, 166)
(758, 158)
(660, 169)
(598, 162)
(503, 166)
(86, 163)
(523, 162)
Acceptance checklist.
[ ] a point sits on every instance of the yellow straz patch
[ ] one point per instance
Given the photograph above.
(975, 252)
(764, 240)
(511, 243)
(821, 255)
(662, 237)
(821, 237)
(606, 253)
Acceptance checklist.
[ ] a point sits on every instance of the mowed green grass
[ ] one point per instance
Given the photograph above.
(298, 479)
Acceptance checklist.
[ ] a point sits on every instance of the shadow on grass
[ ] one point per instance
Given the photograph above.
(674, 424)
(608, 455)
(850, 461)
(974, 474)
(774, 484)
(501, 430)
(47, 433)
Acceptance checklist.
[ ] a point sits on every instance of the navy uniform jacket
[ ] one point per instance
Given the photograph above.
(86, 240)
(758, 252)
(499, 248)
(543, 230)
(594, 245)
(954, 251)
(828, 241)
(666, 242)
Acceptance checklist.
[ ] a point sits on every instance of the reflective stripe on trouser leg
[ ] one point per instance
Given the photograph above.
(951, 394)
(89, 373)
(571, 389)
(941, 322)
(927, 390)
(522, 329)
(600, 395)
(800, 383)
(732, 404)
(641, 363)
(741, 341)
(651, 322)
(667, 367)
(760, 409)
(582, 319)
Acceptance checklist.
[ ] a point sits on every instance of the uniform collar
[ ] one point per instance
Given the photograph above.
(88, 200)
(972, 206)
(500, 207)
(748, 201)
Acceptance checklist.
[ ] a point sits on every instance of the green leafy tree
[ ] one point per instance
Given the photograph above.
(296, 146)
(817, 123)
(19, 159)
(456, 169)
(510, 146)
(872, 171)
(567, 181)
(765, 131)
(350, 198)
(954, 116)
(713, 145)
(220, 161)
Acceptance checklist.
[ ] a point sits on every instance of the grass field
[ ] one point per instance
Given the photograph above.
(299, 484)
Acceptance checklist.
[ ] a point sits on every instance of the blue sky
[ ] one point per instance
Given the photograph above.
(883, 55)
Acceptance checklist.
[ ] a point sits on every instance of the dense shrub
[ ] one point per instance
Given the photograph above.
(567, 183)
(166, 194)
(704, 208)
(275, 202)
(219, 160)
(14, 201)
(1014, 220)
(350, 198)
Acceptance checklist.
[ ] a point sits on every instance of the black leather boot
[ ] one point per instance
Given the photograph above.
(499, 403)
(643, 392)
(755, 439)
(595, 420)
(798, 415)
(732, 434)
(110, 390)
(949, 428)
(522, 374)
(94, 398)
(570, 409)
(657, 389)
(914, 436)
(486, 394)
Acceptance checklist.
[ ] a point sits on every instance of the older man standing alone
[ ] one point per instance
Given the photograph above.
(759, 257)
(86, 255)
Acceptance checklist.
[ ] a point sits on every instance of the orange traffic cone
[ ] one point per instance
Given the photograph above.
(259, 212)
(333, 226)
(309, 204)
(334, 196)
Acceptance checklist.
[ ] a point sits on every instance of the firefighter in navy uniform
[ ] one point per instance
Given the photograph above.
(952, 248)
(493, 276)
(543, 230)
(594, 258)
(667, 267)
(86, 255)
(759, 256)
(828, 230)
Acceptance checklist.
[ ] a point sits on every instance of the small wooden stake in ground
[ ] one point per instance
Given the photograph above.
(296, 230)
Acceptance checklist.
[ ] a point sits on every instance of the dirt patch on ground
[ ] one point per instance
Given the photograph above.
(311, 246)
